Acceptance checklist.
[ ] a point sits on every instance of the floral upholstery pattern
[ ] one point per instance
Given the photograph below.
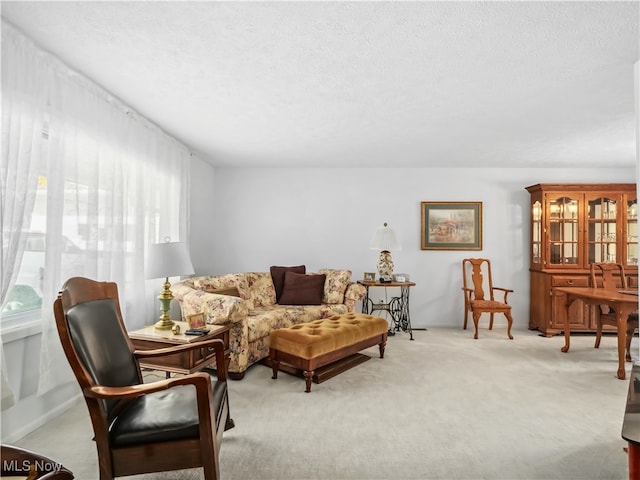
(335, 285)
(355, 292)
(230, 280)
(217, 309)
(253, 315)
(261, 290)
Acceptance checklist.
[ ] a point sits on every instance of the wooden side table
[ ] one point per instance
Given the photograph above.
(398, 307)
(149, 338)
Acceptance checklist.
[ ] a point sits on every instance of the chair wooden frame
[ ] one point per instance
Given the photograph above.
(156, 456)
(474, 294)
(611, 276)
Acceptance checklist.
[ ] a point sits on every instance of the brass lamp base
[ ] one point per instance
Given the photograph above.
(165, 297)
(164, 324)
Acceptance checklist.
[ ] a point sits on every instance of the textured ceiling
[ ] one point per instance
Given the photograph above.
(354, 84)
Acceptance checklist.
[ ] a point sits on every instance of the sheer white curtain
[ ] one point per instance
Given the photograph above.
(21, 162)
(115, 183)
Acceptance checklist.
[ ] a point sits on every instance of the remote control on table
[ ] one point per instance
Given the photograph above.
(196, 332)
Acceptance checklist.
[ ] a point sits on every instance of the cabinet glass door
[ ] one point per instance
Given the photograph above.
(536, 232)
(632, 232)
(563, 231)
(602, 214)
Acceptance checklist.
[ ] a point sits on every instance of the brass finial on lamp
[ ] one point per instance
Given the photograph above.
(168, 259)
(384, 239)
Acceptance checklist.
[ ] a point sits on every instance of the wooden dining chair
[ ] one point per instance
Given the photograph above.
(611, 276)
(171, 424)
(480, 294)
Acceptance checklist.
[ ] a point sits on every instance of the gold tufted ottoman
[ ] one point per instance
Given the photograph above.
(309, 346)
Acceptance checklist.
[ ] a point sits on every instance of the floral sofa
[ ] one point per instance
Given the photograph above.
(248, 304)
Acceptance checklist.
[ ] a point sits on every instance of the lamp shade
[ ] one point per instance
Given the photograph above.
(169, 259)
(384, 239)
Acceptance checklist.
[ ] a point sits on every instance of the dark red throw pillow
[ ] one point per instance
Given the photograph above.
(300, 289)
(277, 275)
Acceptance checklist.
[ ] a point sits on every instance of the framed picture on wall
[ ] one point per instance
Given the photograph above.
(451, 226)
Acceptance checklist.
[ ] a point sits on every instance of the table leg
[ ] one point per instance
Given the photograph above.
(633, 451)
(365, 301)
(622, 313)
(406, 319)
(399, 309)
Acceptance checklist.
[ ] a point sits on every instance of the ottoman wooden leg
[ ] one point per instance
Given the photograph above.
(275, 366)
(308, 376)
(381, 346)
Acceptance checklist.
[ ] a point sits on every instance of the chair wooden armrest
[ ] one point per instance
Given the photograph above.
(217, 345)
(200, 380)
(506, 291)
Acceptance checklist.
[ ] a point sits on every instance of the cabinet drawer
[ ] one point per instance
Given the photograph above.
(569, 281)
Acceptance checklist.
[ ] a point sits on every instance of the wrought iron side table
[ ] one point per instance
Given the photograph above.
(398, 307)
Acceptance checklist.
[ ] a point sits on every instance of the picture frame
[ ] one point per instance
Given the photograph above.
(451, 225)
(369, 276)
(400, 277)
(196, 321)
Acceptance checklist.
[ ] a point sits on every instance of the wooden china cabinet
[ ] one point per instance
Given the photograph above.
(573, 225)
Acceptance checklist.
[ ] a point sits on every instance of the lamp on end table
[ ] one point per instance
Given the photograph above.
(168, 259)
(384, 239)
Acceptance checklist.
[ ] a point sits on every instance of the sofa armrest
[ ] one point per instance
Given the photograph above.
(218, 309)
(354, 293)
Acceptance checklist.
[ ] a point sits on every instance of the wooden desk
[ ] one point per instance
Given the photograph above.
(398, 307)
(149, 338)
(623, 303)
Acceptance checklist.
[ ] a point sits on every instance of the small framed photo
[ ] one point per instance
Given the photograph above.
(196, 321)
(369, 277)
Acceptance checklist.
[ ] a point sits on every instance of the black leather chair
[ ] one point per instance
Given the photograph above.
(170, 424)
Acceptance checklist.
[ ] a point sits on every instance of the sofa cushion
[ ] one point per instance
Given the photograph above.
(261, 290)
(226, 281)
(232, 291)
(277, 275)
(335, 285)
(300, 289)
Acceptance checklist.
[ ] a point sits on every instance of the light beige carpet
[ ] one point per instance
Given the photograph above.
(444, 406)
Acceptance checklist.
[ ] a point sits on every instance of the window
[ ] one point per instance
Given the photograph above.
(26, 294)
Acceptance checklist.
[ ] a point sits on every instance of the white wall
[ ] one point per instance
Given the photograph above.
(325, 218)
(22, 354)
(203, 216)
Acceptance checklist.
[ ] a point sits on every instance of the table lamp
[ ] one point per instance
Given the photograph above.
(384, 239)
(168, 259)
